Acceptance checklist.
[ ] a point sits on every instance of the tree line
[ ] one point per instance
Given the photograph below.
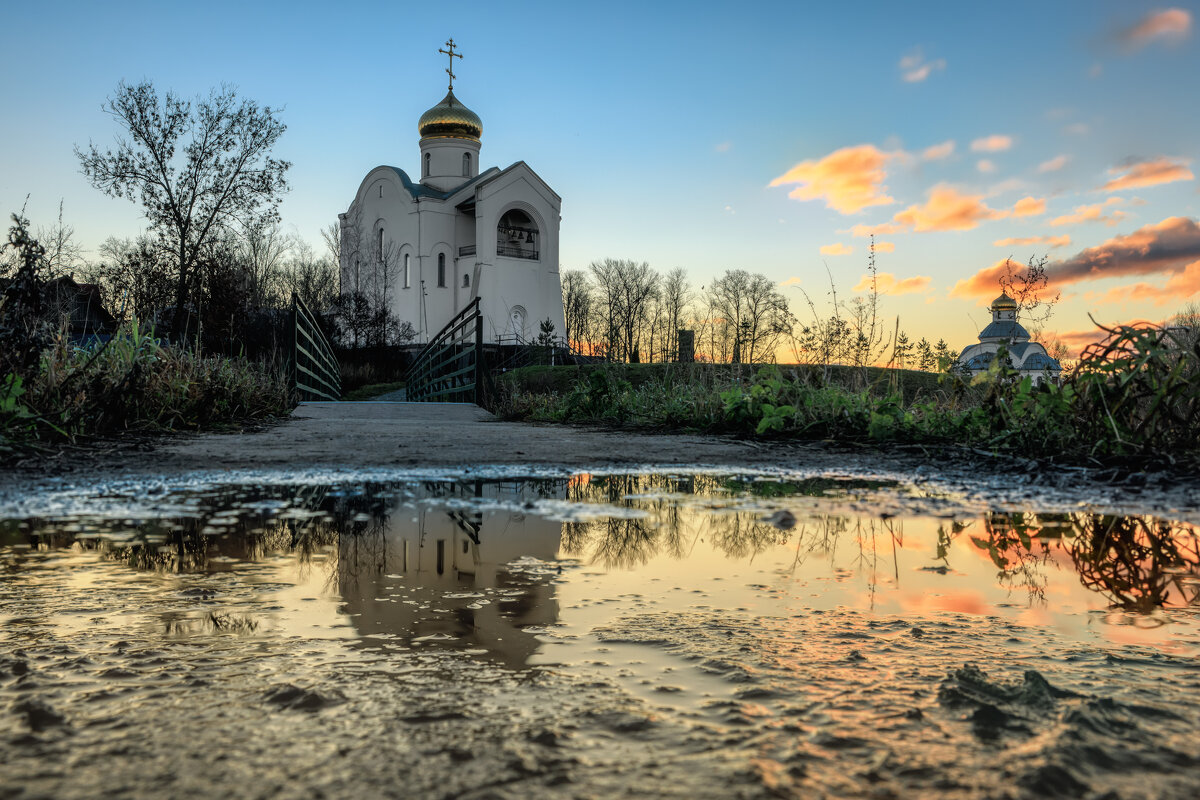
(627, 311)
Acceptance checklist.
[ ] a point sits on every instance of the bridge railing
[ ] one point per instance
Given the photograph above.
(450, 369)
(313, 367)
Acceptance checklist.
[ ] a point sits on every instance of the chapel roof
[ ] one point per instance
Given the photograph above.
(1004, 329)
(450, 119)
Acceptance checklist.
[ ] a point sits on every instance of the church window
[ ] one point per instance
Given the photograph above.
(441, 269)
(379, 246)
(466, 281)
(407, 274)
(425, 169)
(517, 235)
(466, 165)
(381, 190)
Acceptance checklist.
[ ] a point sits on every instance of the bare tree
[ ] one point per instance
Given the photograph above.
(624, 290)
(751, 313)
(314, 279)
(1029, 285)
(195, 170)
(577, 307)
(135, 276)
(676, 295)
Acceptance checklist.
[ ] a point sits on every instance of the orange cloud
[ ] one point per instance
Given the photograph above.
(985, 283)
(886, 283)
(885, 247)
(1179, 287)
(1029, 207)
(947, 210)
(937, 152)
(986, 165)
(1054, 164)
(992, 144)
(1147, 173)
(849, 179)
(1171, 25)
(863, 231)
(792, 281)
(836, 249)
(1170, 247)
(1051, 241)
(1092, 213)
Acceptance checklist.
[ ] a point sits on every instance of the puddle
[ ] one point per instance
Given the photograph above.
(668, 635)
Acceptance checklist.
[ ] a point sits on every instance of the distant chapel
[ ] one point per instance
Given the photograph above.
(1025, 356)
(430, 247)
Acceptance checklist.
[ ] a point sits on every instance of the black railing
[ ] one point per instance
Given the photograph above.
(467, 250)
(516, 252)
(313, 367)
(450, 368)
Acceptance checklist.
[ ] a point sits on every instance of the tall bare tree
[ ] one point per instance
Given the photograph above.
(750, 313)
(196, 169)
(577, 308)
(624, 290)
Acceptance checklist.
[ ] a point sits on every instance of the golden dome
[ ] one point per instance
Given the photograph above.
(1004, 301)
(450, 119)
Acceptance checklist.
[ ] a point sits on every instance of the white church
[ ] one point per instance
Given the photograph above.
(431, 246)
(1027, 357)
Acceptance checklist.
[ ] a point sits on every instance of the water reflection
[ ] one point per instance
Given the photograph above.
(479, 566)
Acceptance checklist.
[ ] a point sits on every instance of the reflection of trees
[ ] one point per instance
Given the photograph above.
(1008, 541)
(1139, 563)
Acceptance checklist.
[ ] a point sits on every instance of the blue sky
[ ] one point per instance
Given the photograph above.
(662, 126)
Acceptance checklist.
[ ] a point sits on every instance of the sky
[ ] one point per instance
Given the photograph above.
(772, 137)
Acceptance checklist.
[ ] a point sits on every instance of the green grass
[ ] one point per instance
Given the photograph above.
(372, 390)
(1134, 398)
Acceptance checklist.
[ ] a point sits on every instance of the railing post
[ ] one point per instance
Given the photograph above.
(479, 365)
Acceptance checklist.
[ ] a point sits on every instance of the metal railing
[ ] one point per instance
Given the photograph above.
(516, 252)
(313, 367)
(450, 368)
(467, 250)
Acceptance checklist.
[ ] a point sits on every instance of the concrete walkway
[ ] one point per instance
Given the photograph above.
(387, 434)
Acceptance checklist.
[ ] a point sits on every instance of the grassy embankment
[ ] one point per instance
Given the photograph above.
(1133, 398)
(133, 383)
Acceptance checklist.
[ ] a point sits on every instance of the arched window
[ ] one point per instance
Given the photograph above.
(517, 235)
(466, 165)
(407, 274)
(379, 247)
(441, 269)
(466, 281)
(425, 169)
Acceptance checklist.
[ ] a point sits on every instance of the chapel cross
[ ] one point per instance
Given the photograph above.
(453, 55)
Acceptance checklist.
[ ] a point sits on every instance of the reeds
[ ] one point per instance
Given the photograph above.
(133, 382)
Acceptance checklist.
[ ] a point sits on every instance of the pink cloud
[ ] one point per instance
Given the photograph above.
(887, 284)
(992, 144)
(1148, 173)
(1171, 25)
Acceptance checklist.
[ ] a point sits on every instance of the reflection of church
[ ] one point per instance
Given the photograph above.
(442, 577)
(432, 246)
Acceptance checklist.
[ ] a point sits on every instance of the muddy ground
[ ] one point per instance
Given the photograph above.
(407, 436)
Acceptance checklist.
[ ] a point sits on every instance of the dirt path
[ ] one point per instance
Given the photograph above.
(406, 436)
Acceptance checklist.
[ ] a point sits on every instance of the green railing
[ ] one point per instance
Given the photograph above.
(450, 369)
(314, 368)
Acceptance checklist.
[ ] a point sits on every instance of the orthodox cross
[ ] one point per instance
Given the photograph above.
(453, 55)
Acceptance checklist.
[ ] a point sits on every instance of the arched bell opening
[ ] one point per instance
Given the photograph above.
(517, 236)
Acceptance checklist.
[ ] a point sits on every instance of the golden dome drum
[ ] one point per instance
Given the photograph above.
(450, 119)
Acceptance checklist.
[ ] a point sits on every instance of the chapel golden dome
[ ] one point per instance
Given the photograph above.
(1004, 301)
(450, 119)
